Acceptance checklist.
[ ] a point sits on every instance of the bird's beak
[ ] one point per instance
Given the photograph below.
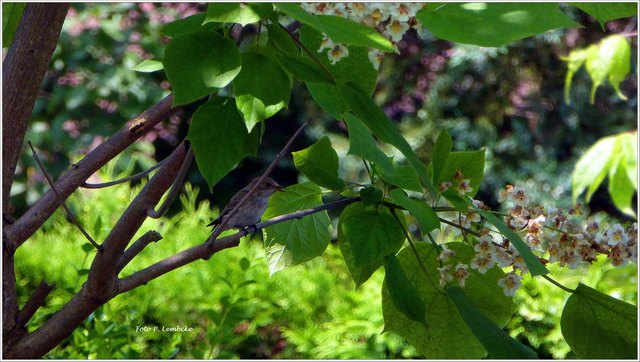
(279, 188)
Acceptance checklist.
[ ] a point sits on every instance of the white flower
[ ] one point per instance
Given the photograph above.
(482, 263)
(445, 275)
(616, 235)
(401, 11)
(461, 273)
(444, 186)
(502, 257)
(464, 187)
(396, 29)
(375, 57)
(446, 254)
(357, 10)
(510, 283)
(485, 246)
(338, 52)
(326, 43)
(378, 13)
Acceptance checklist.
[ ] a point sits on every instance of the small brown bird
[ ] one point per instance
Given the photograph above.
(250, 212)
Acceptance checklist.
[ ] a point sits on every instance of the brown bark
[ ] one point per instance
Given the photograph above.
(23, 70)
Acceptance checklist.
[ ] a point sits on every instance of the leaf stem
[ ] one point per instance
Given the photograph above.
(309, 53)
(558, 284)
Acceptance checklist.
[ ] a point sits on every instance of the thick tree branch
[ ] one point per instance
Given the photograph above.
(22, 73)
(266, 173)
(31, 221)
(206, 250)
(102, 282)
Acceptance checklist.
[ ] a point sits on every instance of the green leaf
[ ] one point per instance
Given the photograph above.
(190, 24)
(295, 241)
(340, 30)
(319, 163)
(592, 168)
(355, 68)
(447, 335)
(198, 63)
(362, 144)
(11, 15)
(574, 60)
(148, 66)
(441, 151)
(610, 61)
(304, 69)
(621, 187)
(281, 40)
(404, 177)
(470, 163)
(533, 263)
(604, 12)
(496, 341)
(628, 149)
(372, 235)
(220, 140)
(401, 291)
(597, 326)
(262, 88)
(377, 121)
(371, 196)
(241, 13)
(491, 24)
(427, 218)
(359, 274)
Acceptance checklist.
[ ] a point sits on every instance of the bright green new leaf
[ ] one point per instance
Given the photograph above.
(188, 25)
(471, 164)
(381, 126)
(574, 60)
(491, 24)
(427, 218)
(148, 66)
(445, 334)
(295, 241)
(262, 88)
(241, 13)
(280, 39)
(372, 235)
(496, 341)
(611, 61)
(220, 140)
(621, 188)
(319, 163)
(340, 30)
(606, 11)
(402, 292)
(405, 177)
(11, 15)
(533, 263)
(362, 144)
(597, 326)
(355, 68)
(197, 63)
(304, 69)
(440, 153)
(592, 168)
(371, 196)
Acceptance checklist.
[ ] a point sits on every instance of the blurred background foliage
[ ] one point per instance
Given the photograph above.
(508, 100)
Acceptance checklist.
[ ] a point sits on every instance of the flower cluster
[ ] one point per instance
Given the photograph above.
(392, 20)
(553, 235)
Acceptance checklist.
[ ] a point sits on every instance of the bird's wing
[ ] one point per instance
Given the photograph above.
(234, 200)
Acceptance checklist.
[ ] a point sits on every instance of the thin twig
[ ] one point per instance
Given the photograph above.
(135, 177)
(309, 53)
(175, 188)
(206, 250)
(273, 164)
(558, 284)
(149, 237)
(73, 218)
(460, 227)
(34, 303)
(413, 247)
